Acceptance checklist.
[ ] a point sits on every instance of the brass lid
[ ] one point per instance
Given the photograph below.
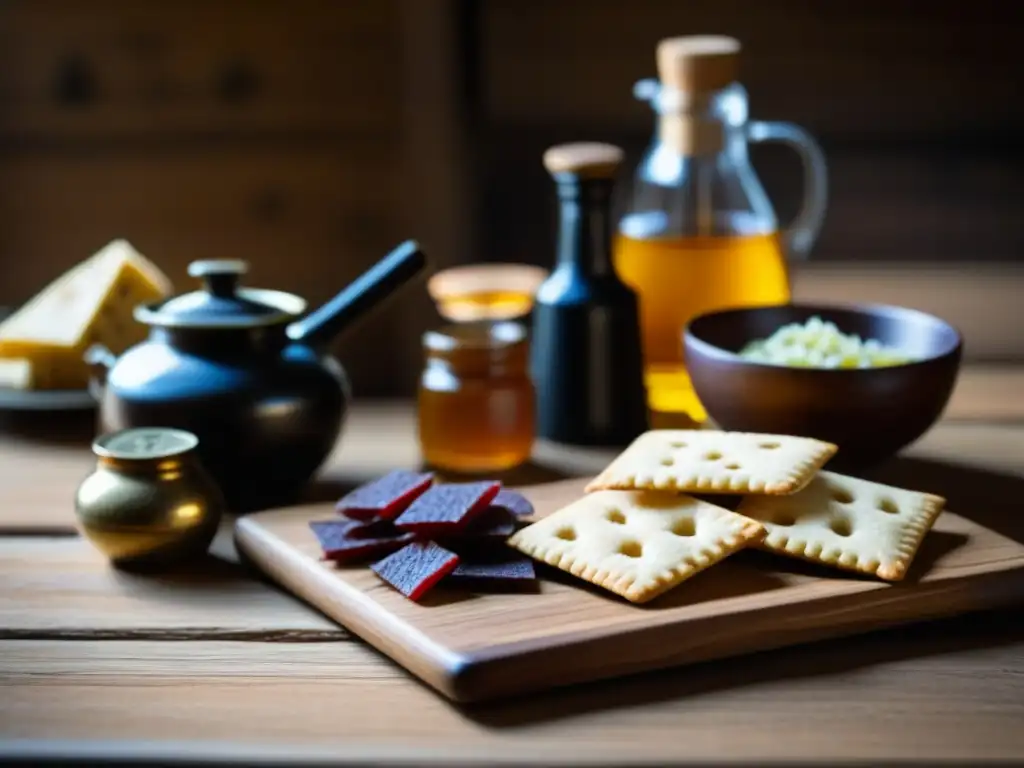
(144, 444)
(698, 63)
(587, 159)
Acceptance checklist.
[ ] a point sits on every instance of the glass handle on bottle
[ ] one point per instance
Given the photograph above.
(799, 237)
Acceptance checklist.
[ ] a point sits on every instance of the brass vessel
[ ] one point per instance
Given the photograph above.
(149, 501)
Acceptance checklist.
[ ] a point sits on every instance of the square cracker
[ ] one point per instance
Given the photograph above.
(637, 544)
(852, 524)
(707, 461)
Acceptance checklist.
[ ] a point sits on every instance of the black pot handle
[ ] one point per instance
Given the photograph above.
(367, 291)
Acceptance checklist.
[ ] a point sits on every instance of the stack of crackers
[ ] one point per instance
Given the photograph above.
(638, 533)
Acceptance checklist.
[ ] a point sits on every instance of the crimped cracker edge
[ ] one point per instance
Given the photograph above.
(809, 467)
(910, 542)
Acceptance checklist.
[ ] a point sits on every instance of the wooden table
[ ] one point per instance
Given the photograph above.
(213, 664)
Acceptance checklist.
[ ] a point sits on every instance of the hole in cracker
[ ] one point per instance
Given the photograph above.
(667, 462)
(888, 506)
(616, 517)
(783, 519)
(732, 465)
(631, 549)
(566, 534)
(712, 455)
(768, 446)
(677, 444)
(685, 527)
(840, 526)
(842, 496)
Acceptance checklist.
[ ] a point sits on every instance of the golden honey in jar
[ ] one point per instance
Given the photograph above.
(476, 398)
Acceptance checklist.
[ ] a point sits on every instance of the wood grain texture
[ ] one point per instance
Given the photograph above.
(938, 692)
(980, 300)
(62, 588)
(196, 68)
(176, 206)
(476, 646)
(848, 69)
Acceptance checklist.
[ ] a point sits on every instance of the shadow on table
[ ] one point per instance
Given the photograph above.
(208, 571)
(63, 428)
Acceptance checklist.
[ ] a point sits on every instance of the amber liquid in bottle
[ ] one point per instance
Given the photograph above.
(684, 276)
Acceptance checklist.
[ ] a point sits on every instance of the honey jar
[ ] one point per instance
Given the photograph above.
(476, 399)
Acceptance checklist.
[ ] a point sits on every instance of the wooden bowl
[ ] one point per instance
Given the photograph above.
(869, 413)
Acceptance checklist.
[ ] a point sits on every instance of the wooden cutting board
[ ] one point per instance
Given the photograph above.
(481, 646)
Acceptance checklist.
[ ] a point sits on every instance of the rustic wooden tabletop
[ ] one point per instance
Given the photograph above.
(213, 664)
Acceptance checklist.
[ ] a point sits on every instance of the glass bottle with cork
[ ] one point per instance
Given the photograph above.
(698, 232)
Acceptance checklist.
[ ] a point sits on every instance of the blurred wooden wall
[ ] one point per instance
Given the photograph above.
(287, 133)
(310, 136)
(915, 103)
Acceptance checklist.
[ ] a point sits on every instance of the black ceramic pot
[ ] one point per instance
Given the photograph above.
(238, 368)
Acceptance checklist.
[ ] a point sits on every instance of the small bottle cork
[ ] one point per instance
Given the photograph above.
(698, 63)
(588, 160)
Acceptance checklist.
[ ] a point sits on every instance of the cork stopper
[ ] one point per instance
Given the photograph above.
(698, 63)
(589, 160)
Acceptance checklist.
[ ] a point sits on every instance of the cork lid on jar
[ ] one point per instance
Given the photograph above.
(698, 63)
(495, 291)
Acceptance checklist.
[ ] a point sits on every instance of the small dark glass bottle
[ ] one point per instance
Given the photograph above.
(586, 357)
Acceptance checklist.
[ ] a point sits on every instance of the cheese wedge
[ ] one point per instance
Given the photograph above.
(90, 303)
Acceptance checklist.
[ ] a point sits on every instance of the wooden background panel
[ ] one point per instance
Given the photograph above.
(886, 204)
(111, 69)
(848, 69)
(307, 218)
(910, 103)
(270, 131)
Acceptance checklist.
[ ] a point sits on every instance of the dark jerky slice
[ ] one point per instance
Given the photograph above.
(509, 568)
(415, 568)
(386, 497)
(493, 524)
(446, 508)
(340, 541)
(499, 572)
(514, 502)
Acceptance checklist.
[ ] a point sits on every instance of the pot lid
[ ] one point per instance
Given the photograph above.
(221, 303)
